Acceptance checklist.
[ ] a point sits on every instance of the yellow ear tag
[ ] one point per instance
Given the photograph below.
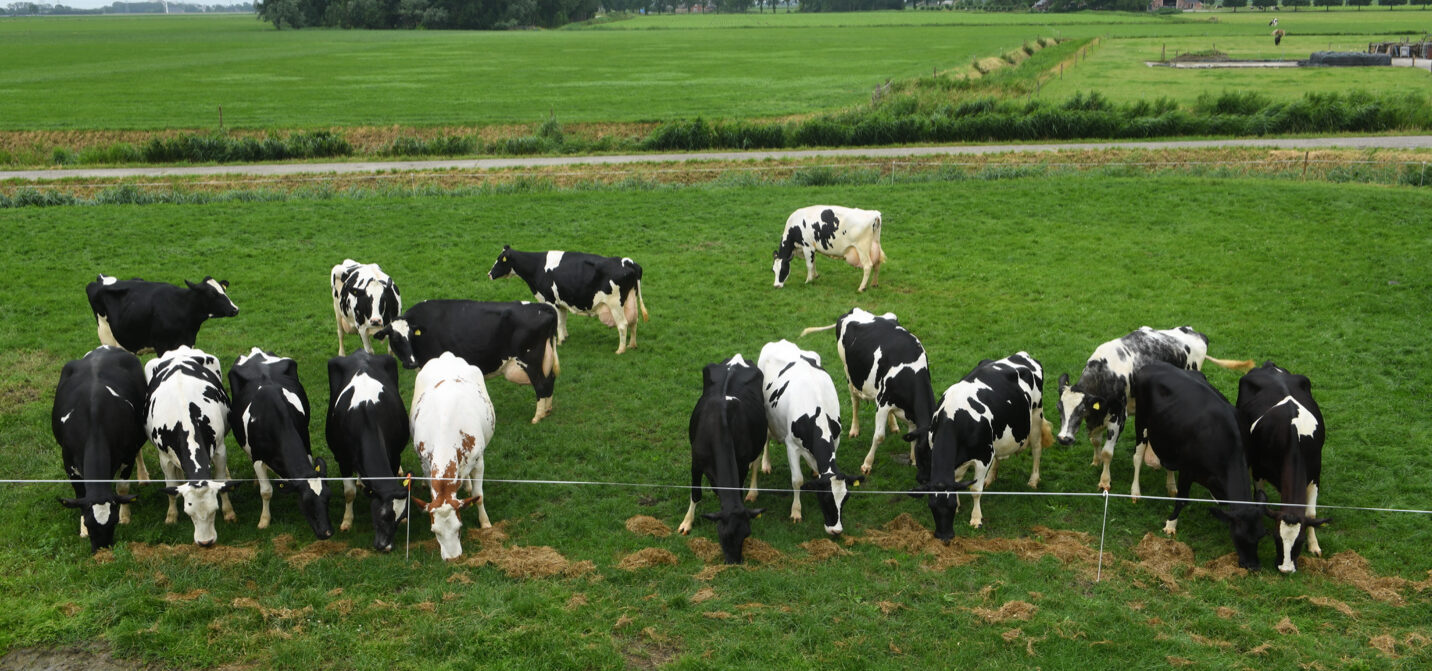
(418, 332)
(315, 469)
(857, 484)
(408, 481)
(504, 259)
(1096, 406)
(758, 515)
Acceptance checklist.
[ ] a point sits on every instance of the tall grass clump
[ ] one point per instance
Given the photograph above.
(445, 145)
(222, 148)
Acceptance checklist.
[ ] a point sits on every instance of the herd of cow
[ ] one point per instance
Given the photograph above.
(107, 404)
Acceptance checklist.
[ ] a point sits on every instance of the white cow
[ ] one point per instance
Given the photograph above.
(453, 421)
(186, 417)
(843, 232)
(364, 301)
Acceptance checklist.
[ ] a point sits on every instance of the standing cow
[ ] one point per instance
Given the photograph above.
(1285, 445)
(364, 300)
(607, 287)
(803, 413)
(1101, 397)
(145, 317)
(1193, 429)
(452, 421)
(842, 232)
(269, 415)
(98, 420)
(992, 413)
(517, 339)
(727, 433)
(186, 417)
(367, 429)
(886, 364)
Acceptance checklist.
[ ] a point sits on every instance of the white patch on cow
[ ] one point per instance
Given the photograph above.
(107, 280)
(400, 506)
(101, 512)
(316, 485)
(554, 259)
(1288, 533)
(201, 504)
(106, 336)
(402, 329)
(66, 418)
(837, 488)
(365, 389)
(446, 525)
(294, 401)
(1303, 421)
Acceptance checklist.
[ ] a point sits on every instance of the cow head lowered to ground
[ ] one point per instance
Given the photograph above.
(727, 433)
(186, 417)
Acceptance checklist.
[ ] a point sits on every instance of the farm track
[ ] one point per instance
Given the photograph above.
(1400, 142)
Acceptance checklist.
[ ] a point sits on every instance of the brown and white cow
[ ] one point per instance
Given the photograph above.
(452, 420)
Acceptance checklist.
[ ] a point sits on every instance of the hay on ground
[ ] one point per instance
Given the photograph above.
(341, 606)
(709, 572)
(718, 615)
(646, 525)
(312, 552)
(822, 549)
(577, 601)
(1262, 649)
(1164, 558)
(1334, 604)
(704, 548)
(172, 597)
(271, 613)
(1222, 568)
(703, 594)
(528, 562)
(495, 534)
(1011, 610)
(1384, 644)
(1226, 612)
(646, 558)
(216, 555)
(1350, 567)
(761, 551)
(1286, 627)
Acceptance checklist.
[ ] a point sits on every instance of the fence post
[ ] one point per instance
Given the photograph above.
(1305, 165)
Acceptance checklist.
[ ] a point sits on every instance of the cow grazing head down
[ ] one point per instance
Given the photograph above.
(831, 492)
(1245, 522)
(400, 333)
(201, 504)
(941, 497)
(782, 257)
(1075, 406)
(388, 512)
(1292, 535)
(732, 528)
(503, 266)
(313, 495)
(215, 295)
(100, 516)
(447, 523)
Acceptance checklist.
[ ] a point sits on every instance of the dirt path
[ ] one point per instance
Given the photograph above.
(281, 169)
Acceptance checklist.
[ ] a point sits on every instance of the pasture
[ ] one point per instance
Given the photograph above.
(1329, 280)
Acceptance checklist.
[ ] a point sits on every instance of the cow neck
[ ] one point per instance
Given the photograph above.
(527, 265)
(728, 472)
(1293, 478)
(98, 468)
(293, 458)
(373, 462)
(1238, 478)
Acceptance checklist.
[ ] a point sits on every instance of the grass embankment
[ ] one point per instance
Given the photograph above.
(1329, 280)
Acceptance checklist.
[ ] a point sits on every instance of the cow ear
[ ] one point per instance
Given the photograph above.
(1218, 513)
(463, 503)
(918, 491)
(382, 333)
(813, 485)
(224, 283)
(172, 491)
(125, 498)
(422, 504)
(506, 247)
(228, 487)
(191, 285)
(68, 503)
(320, 466)
(1063, 382)
(714, 517)
(1316, 521)
(855, 481)
(753, 513)
(961, 486)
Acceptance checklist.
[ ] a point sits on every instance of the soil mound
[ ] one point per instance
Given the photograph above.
(646, 558)
(646, 525)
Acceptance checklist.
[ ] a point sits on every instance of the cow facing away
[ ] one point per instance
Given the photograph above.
(1193, 429)
(728, 433)
(1285, 446)
(517, 340)
(186, 417)
(803, 413)
(98, 420)
(269, 414)
(367, 429)
(145, 317)
(365, 300)
(1101, 398)
(607, 287)
(452, 421)
(995, 411)
(842, 232)
(886, 364)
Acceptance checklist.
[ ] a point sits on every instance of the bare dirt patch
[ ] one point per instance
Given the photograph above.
(646, 525)
(217, 555)
(649, 650)
(92, 657)
(1011, 610)
(646, 558)
(1351, 568)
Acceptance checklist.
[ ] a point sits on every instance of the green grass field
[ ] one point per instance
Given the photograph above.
(1329, 280)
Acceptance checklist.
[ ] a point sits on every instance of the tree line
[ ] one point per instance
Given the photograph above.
(47, 9)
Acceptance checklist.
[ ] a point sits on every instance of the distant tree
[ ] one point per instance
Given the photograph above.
(1263, 5)
(280, 13)
(1235, 4)
(1325, 4)
(1393, 3)
(1295, 4)
(1359, 4)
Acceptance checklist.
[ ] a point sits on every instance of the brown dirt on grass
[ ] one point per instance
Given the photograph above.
(822, 549)
(709, 572)
(1384, 644)
(1286, 627)
(705, 549)
(1178, 661)
(302, 557)
(103, 556)
(95, 656)
(1334, 604)
(271, 613)
(888, 607)
(646, 525)
(217, 555)
(1011, 610)
(179, 597)
(646, 558)
(577, 601)
(1351, 568)
(341, 606)
(1164, 558)
(1226, 612)
(718, 615)
(1213, 642)
(761, 551)
(529, 562)
(1222, 568)
(1261, 650)
(703, 594)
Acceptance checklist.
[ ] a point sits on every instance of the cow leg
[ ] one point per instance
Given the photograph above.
(793, 455)
(172, 477)
(685, 527)
(123, 489)
(1185, 483)
(877, 257)
(476, 483)
(1139, 451)
(619, 318)
(766, 453)
(854, 411)
(982, 471)
(630, 309)
(882, 412)
(366, 334)
(809, 254)
(751, 492)
(865, 269)
(1096, 435)
(1312, 511)
(265, 492)
(993, 469)
(1113, 426)
(350, 491)
(1036, 445)
(1170, 483)
(561, 326)
(221, 469)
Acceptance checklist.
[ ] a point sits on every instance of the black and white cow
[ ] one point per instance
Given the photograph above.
(1101, 397)
(842, 232)
(98, 420)
(367, 430)
(1193, 429)
(728, 433)
(607, 287)
(453, 421)
(364, 300)
(803, 413)
(995, 411)
(1285, 445)
(186, 416)
(145, 317)
(517, 339)
(269, 414)
(884, 363)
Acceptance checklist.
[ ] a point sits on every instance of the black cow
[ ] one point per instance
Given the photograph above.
(367, 430)
(608, 287)
(145, 317)
(992, 413)
(1285, 445)
(269, 415)
(884, 363)
(98, 420)
(1193, 429)
(1101, 397)
(728, 433)
(186, 416)
(517, 339)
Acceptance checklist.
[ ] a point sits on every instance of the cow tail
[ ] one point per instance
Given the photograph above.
(814, 329)
(1240, 366)
(552, 365)
(639, 300)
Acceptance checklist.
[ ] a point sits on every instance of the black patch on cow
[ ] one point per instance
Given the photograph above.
(823, 232)
(776, 395)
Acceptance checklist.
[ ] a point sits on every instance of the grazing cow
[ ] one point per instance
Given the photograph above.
(98, 420)
(842, 232)
(518, 340)
(269, 415)
(186, 416)
(728, 433)
(607, 287)
(884, 363)
(452, 423)
(364, 300)
(1285, 445)
(993, 412)
(1194, 430)
(367, 429)
(803, 413)
(145, 317)
(1101, 397)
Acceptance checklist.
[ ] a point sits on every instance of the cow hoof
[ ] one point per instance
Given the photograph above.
(231, 517)
(854, 431)
(975, 524)
(796, 517)
(684, 530)
(1034, 483)
(865, 469)
(170, 519)
(751, 497)
(621, 350)
(345, 526)
(263, 524)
